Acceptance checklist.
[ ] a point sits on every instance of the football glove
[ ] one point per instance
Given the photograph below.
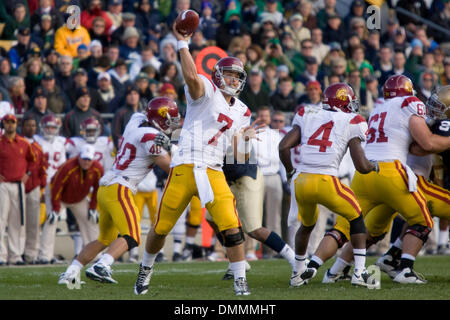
(93, 215)
(163, 140)
(52, 216)
(375, 164)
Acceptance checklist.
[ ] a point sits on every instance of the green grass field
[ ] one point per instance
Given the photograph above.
(268, 280)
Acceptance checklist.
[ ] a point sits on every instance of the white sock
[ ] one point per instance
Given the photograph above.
(148, 259)
(398, 243)
(75, 265)
(177, 246)
(360, 259)
(106, 259)
(317, 260)
(339, 266)
(288, 254)
(299, 263)
(408, 256)
(238, 269)
(443, 237)
(77, 243)
(190, 240)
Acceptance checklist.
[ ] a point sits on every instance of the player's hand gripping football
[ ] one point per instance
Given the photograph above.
(180, 36)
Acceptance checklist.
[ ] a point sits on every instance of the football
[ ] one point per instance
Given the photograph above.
(187, 22)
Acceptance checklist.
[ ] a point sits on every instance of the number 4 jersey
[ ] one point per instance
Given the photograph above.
(324, 138)
(388, 137)
(136, 155)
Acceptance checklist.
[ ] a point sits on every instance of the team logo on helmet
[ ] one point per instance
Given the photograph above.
(408, 86)
(341, 94)
(163, 111)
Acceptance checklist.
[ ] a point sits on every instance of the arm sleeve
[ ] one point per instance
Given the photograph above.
(99, 173)
(414, 106)
(57, 186)
(358, 128)
(209, 91)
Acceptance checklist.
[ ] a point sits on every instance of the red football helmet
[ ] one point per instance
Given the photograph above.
(340, 96)
(229, 64)
(162, 113)
(50, 125)
(397, 86)
(90, 129)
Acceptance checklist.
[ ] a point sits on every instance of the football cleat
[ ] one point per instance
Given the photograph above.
(299, 279)
(408, 275)
(328, 277)
(177, 257)
(160, 257)
(100, 272)
(241, 287)
(388, 264)
(143, 280)
(363, 279)
(187, 252)
(443, 249)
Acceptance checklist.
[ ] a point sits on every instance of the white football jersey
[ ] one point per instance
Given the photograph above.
(54, 151)
(136, 155)
(388, 136)
(208, 127)
(324, 138)
(421, 165)
(104, 148)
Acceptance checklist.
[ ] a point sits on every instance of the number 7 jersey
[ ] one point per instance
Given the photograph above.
(388, 137)
(324, 138)
(136, 155)
(208, 127)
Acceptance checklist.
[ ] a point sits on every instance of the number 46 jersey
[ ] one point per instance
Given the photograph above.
(136, 155)
(388, 137)
(324, 138)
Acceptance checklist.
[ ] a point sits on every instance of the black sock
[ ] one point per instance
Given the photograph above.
(313, 264)
(395, 252)
(406, 263)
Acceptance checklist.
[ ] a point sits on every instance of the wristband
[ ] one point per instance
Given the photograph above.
(182, 44)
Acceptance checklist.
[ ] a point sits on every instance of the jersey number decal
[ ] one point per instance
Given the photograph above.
(323, 143)
(371, 133)
(445, 126)
(132, 156)
(221, 118)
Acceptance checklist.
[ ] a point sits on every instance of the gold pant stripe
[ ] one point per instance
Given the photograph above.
(421, 201)
(126, 209)
(348, 196)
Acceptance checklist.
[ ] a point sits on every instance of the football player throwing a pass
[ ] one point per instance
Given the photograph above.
(215, 119)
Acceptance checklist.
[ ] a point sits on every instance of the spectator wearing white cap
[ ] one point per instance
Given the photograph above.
(298, 31)
(105, 88)
(130, 48)
(271, 10)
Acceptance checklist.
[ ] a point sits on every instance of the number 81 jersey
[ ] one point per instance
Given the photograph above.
(324, 138)
(388, 136)
(136, 154)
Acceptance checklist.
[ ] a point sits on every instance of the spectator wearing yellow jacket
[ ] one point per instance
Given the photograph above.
(67, 40)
